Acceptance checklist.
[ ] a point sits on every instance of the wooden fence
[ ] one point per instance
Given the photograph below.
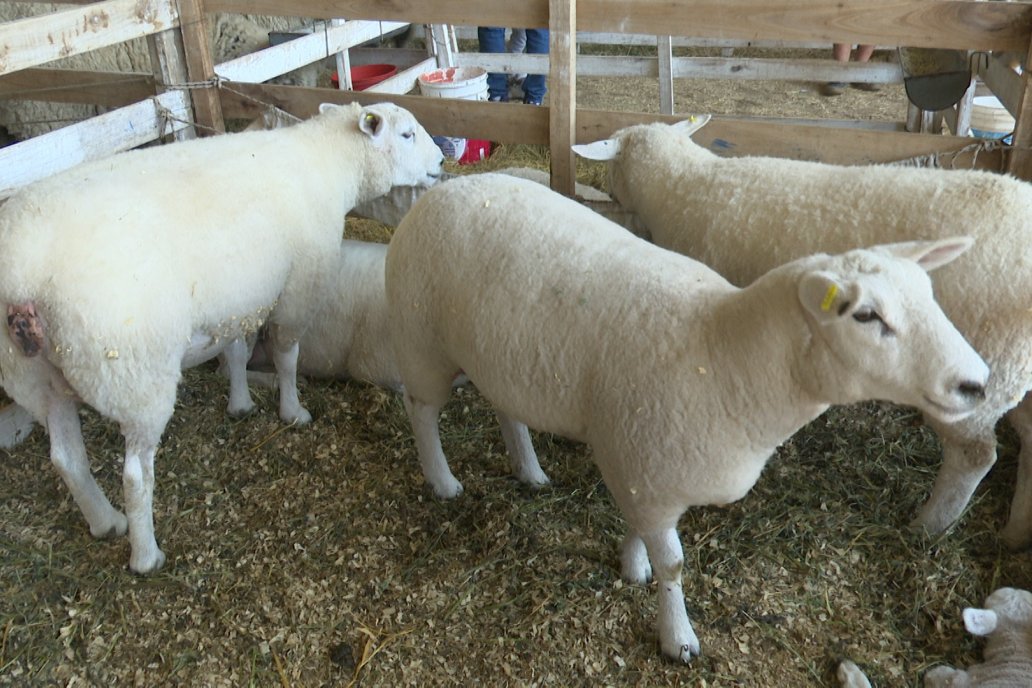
(183, 95)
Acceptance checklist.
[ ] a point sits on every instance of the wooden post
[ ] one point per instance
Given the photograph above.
(665, 53)
(168, 63)
(200, 67)
(562, 97)
(1019, 163)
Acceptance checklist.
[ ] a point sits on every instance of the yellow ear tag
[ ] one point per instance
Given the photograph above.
(370, 117)
(691, 118)
(829, 297)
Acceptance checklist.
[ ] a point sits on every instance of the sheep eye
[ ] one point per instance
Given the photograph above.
(408, 135)
(869, 316)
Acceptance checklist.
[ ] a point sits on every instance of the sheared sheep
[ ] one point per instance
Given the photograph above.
(567, 323)
(117, 274)
(1006, 622)
(742, 216)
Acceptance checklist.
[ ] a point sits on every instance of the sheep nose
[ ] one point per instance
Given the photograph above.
(974, 391)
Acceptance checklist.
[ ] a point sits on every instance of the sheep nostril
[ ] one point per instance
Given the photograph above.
(972, 390)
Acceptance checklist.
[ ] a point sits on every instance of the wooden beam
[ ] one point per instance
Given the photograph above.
(562, 98)
(200, 68)
(110, 89)
(264, 64)
(1019, 162)
(959, 24)
(665, 60)
(37, 40)
(95, 138)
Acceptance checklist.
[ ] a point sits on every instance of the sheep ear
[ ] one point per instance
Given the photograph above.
(979, 621)
(827, 297)
(326, 107)
(599, 150)
(930, 254)
(692, 124)
(371, 122)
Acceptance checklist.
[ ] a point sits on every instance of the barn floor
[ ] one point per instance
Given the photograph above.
(315, 556)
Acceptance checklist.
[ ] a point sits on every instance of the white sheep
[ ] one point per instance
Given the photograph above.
(744, 215)
(1006, 621)
(116, 274)
(682, 384)
(348, 338)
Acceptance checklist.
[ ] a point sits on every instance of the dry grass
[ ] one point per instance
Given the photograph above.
(315, 556)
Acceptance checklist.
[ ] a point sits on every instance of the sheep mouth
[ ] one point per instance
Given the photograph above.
(949, 414)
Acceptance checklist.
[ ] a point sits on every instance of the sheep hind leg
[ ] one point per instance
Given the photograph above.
(522, 457)
(424, 418)
(967, 455)
(138, 484)
(68, 454)
(284, 358)
(236, 356)
(677, 638)
(1017, 534)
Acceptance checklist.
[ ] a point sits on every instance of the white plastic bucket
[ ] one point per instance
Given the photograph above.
(467, 83)
(990, 119)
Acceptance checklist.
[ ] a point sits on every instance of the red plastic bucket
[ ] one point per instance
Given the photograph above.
(364, 76)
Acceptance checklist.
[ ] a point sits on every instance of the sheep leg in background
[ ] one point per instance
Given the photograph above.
(425, 428)
(676, 636)
(968, 452)
(138, 486)
(68, 454)
(850, 676)
(15, 425)
(1017, 533)
(236, 356)
(522, 457)
(284, 358)
(634, 560)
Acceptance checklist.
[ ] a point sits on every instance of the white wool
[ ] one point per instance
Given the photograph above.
(157, 259)
(568, 324)
(744, 215)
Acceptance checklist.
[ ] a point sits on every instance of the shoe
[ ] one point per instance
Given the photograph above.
(531, 101)
(866, 86)
(832, 88)
(498, 99)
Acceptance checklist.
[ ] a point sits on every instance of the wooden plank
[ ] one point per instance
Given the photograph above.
(110, 89)
(37, 40)
(93, 139)
(200, 67)
(757, 69)
(822, 140)
(265, 64)
(169, 66)
(405, 80)
(960, 24)
(1019, 163)
(562, 98)
(1004, 82)
(664, 60)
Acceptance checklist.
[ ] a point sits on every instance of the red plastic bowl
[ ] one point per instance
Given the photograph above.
(364, 76)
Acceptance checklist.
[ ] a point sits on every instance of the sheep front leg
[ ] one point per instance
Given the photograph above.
(967, 455)
(284, 358)
(522, 457)
(424, 417)
(240, 401)
(946, 677)
(677, 638)
(634, 560)
(138, 484)
(68, 454)
(1017, 534)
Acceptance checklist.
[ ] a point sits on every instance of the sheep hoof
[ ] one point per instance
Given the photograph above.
(1016, 538)
(447, 489)
(535, 480)
(146, 565)
(687, 652)
(117, 527)
(240, 412)
(301, 417)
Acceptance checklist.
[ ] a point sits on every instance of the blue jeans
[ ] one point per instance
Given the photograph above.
(492, 40)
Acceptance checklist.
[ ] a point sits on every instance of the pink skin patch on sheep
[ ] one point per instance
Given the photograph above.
(26, 328)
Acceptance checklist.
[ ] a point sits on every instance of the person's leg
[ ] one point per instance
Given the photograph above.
(492, 40)
(840, 51)
(863, 54)
(535, 85)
